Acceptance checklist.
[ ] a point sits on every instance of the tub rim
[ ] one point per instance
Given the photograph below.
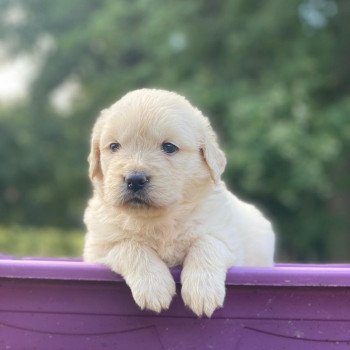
(280, 275)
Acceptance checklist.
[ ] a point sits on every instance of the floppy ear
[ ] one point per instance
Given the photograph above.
(212, 154)
(95, 170)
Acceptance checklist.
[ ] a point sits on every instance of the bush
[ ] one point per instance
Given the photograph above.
(30, 241)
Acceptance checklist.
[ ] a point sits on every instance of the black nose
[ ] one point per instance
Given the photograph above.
(136, 181)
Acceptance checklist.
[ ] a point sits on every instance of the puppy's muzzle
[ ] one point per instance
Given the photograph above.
(136, 181)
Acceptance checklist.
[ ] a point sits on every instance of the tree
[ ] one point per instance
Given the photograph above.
(272, 76)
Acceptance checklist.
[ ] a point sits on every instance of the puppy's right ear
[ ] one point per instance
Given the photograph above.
(95, 170)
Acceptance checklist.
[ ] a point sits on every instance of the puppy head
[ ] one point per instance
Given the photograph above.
(152, 150)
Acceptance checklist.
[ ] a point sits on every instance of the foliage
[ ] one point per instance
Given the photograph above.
(272, 75)
(43, 242)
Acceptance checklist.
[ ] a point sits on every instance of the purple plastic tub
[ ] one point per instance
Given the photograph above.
(49, 305)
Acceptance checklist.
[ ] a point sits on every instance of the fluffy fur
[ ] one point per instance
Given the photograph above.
(188, 217)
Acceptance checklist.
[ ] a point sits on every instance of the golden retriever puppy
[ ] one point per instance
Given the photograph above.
(159, 202)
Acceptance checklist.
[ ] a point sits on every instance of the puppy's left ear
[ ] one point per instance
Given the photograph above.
(212, 154)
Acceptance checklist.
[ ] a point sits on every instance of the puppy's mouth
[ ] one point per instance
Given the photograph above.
(136, 201)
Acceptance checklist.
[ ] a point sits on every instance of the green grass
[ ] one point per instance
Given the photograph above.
(44, 242)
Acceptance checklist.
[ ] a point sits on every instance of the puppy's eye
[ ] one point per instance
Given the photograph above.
(168, 147)
(114, 146)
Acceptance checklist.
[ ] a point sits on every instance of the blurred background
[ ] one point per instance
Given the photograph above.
(273, 76)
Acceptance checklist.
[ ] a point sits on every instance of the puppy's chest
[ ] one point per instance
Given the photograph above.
(172, 246)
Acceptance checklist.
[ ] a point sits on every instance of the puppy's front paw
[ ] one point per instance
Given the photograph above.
(203, 292)
(153, 291)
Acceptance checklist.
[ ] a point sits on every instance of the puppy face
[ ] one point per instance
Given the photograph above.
(152, 150)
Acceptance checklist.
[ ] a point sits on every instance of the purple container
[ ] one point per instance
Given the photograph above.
(72, 305)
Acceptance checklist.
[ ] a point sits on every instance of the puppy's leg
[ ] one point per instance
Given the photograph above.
(203, 276)
(149, 279)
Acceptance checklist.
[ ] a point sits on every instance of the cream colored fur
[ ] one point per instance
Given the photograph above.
(193, 220)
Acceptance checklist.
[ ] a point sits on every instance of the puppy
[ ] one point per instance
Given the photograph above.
(159, 202)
